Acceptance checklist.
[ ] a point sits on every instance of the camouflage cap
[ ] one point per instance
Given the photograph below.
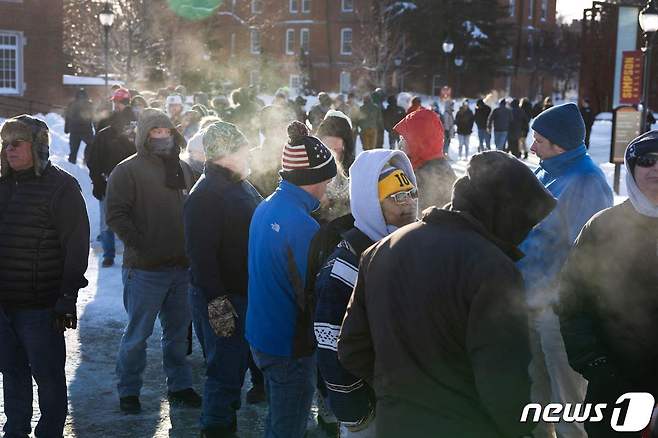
(221, 139)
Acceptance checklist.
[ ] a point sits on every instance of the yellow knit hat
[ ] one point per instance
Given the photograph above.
(393, 181)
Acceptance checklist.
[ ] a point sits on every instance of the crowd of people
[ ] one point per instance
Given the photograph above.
(412, 303)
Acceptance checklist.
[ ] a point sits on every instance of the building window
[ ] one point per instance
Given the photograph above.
(256, 6)
(347, 5)
(306, 6)
(305, 40)
(544, 9)
(255, 41)
(295, 82)
(531, 9)
(512, 8)
(294, 6)
(290, 41)
(346, 41)
(254, 78)
(11, 63)
(345, 82)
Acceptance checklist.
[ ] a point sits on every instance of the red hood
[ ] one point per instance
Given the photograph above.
(423, 132)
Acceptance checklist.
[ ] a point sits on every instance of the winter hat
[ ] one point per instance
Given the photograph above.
(646, 143)
(305, 159)
(121, 95)
(562, 125)
(174, 99)
(221, 138)
(424, 135)
(195, 148)
(503, 194)
(365, 173)
(26, 128)
(392, 181)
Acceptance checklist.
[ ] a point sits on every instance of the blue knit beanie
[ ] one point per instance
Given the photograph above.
(562, 125)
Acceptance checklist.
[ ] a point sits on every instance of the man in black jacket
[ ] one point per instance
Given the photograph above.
(217, 216)
(43, 259)
(79, 123)
(437, 323)
(608, 295)
(392, 116)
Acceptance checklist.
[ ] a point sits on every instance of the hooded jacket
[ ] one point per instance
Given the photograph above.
(482, 111)
(392, 114)
(145, 213)
(582, 191)
(608, 299)
(424, 136)
(500, 118)
(80, 116)
(437, 323)
(350, 398)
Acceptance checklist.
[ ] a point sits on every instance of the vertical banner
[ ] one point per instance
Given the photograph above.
(627, 28)
(631, 78)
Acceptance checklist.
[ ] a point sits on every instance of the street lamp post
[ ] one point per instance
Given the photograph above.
(459, 61)
(106, 17)
(649, 24)
(400, 78)
(448, 46)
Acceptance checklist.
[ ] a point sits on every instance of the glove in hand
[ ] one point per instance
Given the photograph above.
(66, 315)
(222, 316)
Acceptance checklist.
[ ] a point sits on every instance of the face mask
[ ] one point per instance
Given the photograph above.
(161, 146)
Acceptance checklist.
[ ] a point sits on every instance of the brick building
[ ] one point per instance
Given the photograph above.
(31, 57)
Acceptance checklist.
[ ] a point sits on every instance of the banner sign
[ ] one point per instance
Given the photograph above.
(631, 78)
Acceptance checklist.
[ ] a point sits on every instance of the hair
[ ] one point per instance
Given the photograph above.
(137, 100)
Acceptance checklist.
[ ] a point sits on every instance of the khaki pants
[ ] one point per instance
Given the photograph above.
(369, 138)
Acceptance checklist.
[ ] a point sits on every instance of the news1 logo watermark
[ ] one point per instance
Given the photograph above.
(631, 412)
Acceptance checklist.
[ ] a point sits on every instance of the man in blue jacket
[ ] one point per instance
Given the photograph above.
(216, 218)
(568, 172)
(280, 314)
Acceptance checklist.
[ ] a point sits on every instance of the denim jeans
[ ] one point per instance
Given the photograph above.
(147, 295)
(464, 141)
(31, 347)
(290, 385)
(500, 138)
(107, 236)
(485, 140)
(226, 362)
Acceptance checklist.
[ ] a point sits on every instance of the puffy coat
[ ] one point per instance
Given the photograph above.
(110, 147)
(464, 121)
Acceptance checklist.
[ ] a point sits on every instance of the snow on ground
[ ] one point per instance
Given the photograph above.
(93, 403)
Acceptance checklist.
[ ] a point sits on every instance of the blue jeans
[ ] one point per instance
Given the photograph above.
(290, 385)
(147, 295)
(485, 140)
(226, 362)
(464, 141)
(31, 347)
(500, 138)
(107, 236)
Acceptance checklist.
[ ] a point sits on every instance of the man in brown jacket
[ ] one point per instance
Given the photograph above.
(145, 197)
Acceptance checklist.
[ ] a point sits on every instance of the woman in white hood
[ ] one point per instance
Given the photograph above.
(383, 197)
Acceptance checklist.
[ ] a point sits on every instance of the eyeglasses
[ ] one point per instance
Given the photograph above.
(14, 144)
(648, 160)
(405, 197)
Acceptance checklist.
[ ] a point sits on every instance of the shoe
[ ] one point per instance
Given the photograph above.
(256, 395)
(220, 431)
(326, 419)
(187, 397)
(107, 263)
(130, 405)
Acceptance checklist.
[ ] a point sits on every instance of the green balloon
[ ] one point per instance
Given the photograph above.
(194, 9)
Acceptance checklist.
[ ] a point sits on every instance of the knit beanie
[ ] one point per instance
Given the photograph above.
(221, 139)
(30, 129)
(305, 159)
(391, 181)
(562, 125)
(644, 144)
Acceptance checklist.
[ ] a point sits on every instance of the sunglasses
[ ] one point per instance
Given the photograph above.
(648, 160)
(405, 197)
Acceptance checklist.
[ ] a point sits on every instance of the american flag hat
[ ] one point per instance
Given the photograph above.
(306, 160)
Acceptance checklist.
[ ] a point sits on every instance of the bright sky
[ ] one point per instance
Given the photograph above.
(572, 9)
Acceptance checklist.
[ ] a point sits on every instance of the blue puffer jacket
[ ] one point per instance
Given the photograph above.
(350, 398)
(582, 191)
(280, 313)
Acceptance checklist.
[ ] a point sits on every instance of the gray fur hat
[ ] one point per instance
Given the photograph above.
(30, 129)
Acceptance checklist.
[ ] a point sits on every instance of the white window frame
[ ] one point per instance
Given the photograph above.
(345, 80)
(345, 8)
(531, 9)
(254, 41)
(305, 40)
(295, 82)
(512, 8)
(18, 69)
(256, 6)
(290, 42)
(544, 10)
(306, 6)
(294, 6)
(343, 32)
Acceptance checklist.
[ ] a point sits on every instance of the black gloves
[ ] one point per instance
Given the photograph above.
(222, 316)
(99, 189)
(66, 313)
